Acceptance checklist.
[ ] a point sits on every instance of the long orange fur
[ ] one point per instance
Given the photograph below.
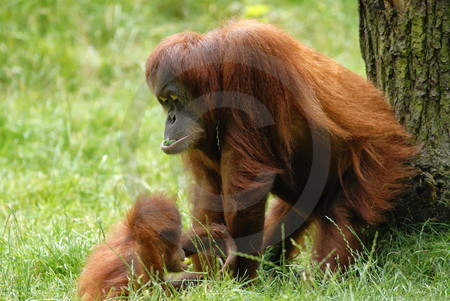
(299, 87)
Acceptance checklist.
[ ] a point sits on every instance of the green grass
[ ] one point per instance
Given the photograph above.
(75, 147)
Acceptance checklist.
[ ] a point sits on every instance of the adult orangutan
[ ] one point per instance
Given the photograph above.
(256, 112)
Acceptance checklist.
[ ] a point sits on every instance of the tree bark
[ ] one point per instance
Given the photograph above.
(405, 45)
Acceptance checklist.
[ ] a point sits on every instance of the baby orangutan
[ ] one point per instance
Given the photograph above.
(139, 248)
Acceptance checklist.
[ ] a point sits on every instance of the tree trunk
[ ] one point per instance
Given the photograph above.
(405, 45)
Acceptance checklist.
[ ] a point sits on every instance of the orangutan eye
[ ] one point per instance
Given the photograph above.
(162, 98)
(170, 235)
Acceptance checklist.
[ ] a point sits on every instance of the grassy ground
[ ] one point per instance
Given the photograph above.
(75, 147)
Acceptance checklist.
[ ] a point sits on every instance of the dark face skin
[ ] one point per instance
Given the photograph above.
(174, 253)
(176, 261)
(183, 127)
